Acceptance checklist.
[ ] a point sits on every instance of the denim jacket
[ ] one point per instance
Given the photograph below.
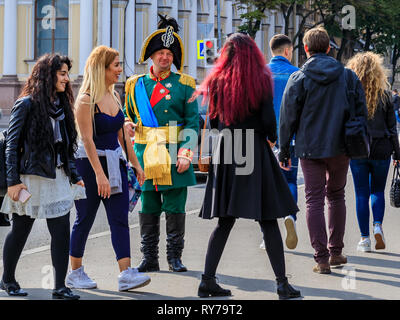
(281, 69)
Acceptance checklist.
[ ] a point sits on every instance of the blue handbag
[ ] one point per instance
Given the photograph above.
(133, 185)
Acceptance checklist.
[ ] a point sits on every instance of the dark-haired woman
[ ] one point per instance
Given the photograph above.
(239, 91)
(40, 146)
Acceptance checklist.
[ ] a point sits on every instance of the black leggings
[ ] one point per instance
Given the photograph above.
(15, 241)
(273, 244)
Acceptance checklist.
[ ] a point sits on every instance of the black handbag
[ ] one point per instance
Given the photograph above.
(3, 173)
(4, 221)
(357, 139)
(395, 187)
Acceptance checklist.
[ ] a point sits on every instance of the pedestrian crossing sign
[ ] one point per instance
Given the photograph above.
(200, 49)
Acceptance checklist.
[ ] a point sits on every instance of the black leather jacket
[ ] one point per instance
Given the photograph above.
(22, 157)
(382, 127)
(315, 108)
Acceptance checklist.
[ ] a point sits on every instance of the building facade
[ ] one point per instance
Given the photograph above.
(30, 28)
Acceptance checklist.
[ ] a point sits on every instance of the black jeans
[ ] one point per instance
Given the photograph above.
(273, 246)
(15, 241)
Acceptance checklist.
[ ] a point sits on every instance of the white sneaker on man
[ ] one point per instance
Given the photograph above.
(78, 279)
(131, 278)
(291, 234)
(380, 239)
(364, 245)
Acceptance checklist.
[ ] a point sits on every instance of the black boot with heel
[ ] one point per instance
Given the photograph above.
(209, 288)
(175, 225)
(286, 291)
(150, 234)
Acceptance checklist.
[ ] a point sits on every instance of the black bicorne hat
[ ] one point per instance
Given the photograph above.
(165, 37)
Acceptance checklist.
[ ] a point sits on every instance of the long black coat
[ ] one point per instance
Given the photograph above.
(262, 193)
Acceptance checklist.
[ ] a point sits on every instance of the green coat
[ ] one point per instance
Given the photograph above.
(176, 109)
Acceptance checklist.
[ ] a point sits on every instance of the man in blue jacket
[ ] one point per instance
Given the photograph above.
(282, 52)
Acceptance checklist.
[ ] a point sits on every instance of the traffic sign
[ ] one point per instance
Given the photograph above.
(200, 49)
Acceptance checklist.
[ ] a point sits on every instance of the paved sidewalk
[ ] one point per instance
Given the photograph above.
(244, 267)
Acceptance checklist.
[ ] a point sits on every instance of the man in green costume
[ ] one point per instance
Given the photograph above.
(165, 136)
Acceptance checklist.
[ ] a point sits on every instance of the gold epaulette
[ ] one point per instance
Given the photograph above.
(131, 80)
(187, 80)
(130, 104)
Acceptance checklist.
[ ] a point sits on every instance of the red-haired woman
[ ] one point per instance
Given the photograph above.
(239, 92)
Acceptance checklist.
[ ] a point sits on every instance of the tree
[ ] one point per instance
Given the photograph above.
(254, 12)
(387, 35)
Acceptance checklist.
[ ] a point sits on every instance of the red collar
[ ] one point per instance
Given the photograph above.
(163, 75)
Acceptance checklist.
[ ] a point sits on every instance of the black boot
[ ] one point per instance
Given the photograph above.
(286, 291)
(209, 287)
(175, 225)
(150, 233)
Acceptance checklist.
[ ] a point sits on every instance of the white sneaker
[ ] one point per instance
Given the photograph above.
(78, 279)
(291, 234)
(262, 245)
(364, 245)
(132, 278)
(380, 239)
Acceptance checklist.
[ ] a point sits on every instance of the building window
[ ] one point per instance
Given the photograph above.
(51, 27)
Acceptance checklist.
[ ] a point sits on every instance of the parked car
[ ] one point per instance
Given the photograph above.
(1, 113)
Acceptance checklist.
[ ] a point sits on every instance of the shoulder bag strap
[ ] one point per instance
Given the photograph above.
(203, 134)
(350, 89)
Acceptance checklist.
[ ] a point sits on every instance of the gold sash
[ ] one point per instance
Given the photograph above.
(156, 158)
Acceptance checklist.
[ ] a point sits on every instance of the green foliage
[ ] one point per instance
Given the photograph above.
(377, 22)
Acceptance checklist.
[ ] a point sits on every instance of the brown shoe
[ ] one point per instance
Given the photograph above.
(337, 260)
(322, 268)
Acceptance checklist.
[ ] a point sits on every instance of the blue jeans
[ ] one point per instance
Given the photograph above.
(369, 177)
(117, 210)
(291, 176)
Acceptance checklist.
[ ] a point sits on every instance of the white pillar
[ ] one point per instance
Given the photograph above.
(211, 18)
(192, 52)
(86, 34)
(105, 23)
(174, 9)
(153, 17)
(129, 63)
(10, 38)
(228, 15)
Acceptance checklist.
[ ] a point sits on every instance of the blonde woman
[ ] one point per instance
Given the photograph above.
(100, 163)
(369, 175)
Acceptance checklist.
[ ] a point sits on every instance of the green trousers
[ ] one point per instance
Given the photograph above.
(169, 201)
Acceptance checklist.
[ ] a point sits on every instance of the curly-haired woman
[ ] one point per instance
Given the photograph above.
(369, 175)
(239, 91)
(40, 146)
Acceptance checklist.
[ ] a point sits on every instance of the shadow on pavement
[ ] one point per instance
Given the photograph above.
(92, 294)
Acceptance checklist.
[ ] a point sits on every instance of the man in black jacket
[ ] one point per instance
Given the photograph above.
(315, 108)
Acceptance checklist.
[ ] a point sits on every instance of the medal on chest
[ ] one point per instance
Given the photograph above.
(158, 93)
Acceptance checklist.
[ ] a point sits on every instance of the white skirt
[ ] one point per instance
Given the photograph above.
(51, 198)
